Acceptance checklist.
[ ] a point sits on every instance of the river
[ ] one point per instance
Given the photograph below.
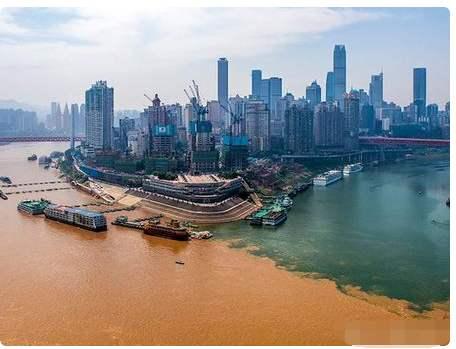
(64, 285)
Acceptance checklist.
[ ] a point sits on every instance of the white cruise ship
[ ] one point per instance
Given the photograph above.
(353, 168)
(327, 178)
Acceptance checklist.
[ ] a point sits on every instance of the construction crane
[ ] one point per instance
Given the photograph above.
(150, 99)
(195, 101)
(235, 119)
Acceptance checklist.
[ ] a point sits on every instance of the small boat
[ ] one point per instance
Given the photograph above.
(448, 202)
(180, 262)
(5, 179)
(3, 195)
(32, 157)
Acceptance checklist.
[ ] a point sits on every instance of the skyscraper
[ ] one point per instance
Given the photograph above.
(376, 90)
(74, 122)
(351, 118)
(256, 83)
(313, 94)
(328, 127)
(340, 74)
(222, 86)
(271, 92)
(258, 125)
(66, 120)
(299, 129)
(99, 101)
(330, 87)
(82, 118)
(419, 92)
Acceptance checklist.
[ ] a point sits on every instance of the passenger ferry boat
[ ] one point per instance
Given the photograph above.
(353, 168)
(33, 207)
(79, 217)
(327, 178)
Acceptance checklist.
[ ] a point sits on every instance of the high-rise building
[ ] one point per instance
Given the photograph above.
(432, 113)
(82, 118)
(257, 118)
(376, 90)
(367, 118)
(125, 125)
(99, 101)
(256, 83)
(299, 129)
(330, 87)
(222, 86)
(340, 74)
(271, 92)
(328, 127)
(215, 115)
(66, 120)
(351, 117)
(74, 122)
(313, 94)
(419, 92)
(57, 116)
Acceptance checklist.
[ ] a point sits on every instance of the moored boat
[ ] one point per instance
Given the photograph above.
(33, 207)
(327, 178)
(32, 157)
(79, 217)
(168, 232)
(352, 168)
(5, 179)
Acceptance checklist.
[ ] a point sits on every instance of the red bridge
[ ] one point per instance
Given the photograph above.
(390, 141)
(39, 139)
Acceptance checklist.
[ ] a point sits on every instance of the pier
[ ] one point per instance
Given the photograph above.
(32, 183)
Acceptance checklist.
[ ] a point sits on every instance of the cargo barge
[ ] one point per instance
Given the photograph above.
(32, 157)
(79, 217)
(168, 232)
(33, 207)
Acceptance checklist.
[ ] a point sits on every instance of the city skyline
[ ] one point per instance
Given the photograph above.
(147, 62)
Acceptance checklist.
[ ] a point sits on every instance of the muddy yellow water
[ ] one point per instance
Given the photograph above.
(64, 285)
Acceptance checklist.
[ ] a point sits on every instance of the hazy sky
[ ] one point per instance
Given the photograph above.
(57, 53)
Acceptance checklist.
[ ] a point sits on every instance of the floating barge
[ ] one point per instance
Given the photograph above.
(168, 232)
(79, 217)
(33, 207)
(273, 215)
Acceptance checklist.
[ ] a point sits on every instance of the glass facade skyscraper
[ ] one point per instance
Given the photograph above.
(340, 74)
(376, 90)
(256, 83)
(330, 87)
(222, 81)
(419, 91)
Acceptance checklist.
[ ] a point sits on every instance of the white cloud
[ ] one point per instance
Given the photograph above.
(138, 48)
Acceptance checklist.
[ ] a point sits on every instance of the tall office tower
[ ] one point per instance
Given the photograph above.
(53, 115)
(410, 113)
(82, 118)
(340, 74)
(299, 129)
(74, 122)
(66, 120)
(125, 125)
(222, 87)
(363, 98)
(330, 86)
(257, 118)
(271, 92)
(278, 125)
(328, 127)
(99, 102)
(351, 116)
(58, 118)
(313, 94)
(256, 83)
(419, 92)
(367, 118)
(376, 90)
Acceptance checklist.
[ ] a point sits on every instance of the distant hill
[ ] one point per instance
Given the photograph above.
(13, 104)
